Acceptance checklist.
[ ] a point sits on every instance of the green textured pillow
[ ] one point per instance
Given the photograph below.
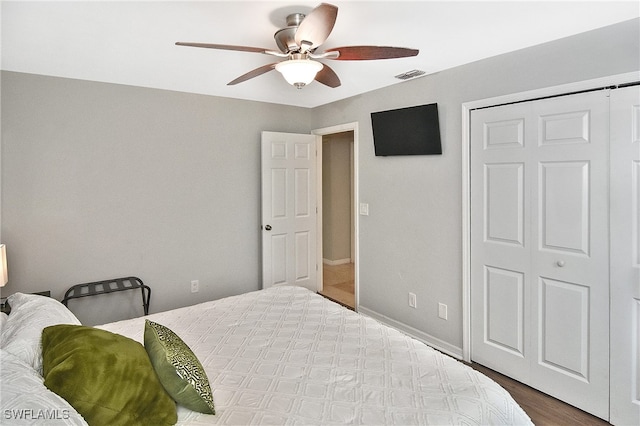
(178, 368)
(106, 377)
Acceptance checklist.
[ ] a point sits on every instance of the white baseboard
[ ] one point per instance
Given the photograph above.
(425, 338)
(336, 262)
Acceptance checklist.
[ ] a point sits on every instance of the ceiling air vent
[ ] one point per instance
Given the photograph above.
(410, 74)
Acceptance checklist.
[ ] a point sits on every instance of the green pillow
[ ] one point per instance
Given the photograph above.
(178, 368)
(106, 377)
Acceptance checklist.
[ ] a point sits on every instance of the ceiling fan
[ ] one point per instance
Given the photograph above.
(298, 43)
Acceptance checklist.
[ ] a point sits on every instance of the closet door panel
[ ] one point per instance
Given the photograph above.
(625, 256)
(564, 206)
(504, 209)
(501, 239)
(565, 350)
(504, 293)
(570, 253)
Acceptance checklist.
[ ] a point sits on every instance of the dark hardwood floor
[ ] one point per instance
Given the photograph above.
(543, 409)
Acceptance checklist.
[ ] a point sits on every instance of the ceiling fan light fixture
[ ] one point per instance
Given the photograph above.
(299, 72)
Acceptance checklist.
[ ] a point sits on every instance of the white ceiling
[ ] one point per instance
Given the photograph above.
(132, 43)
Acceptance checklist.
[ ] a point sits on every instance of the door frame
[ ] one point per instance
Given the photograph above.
(466, 173)
(340, 128)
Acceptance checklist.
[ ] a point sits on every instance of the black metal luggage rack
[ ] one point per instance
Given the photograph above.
(109, 286)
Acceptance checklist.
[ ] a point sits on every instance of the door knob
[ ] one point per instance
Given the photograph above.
(268, 227)
(560, 263)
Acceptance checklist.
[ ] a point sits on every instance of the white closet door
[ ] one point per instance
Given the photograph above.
(540, 277)
(625, 256)
(501, 238)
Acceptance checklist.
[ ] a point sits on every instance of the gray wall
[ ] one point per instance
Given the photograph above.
(102, 180)
(412, 239)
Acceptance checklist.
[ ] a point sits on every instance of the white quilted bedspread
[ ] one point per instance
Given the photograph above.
(288, 356)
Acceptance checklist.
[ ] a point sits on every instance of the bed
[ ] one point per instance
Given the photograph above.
(283, 355)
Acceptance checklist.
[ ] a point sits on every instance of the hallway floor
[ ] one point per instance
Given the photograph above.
(339, 284)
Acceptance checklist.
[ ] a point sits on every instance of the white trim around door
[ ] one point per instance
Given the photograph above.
(328, 131)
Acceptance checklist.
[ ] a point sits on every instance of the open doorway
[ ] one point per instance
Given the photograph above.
(338, 219)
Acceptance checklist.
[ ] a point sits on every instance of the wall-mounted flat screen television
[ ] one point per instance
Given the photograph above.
(407, 131)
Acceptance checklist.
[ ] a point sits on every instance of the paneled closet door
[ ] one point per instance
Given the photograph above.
(501, 169)
(539, 245)
(625, 256)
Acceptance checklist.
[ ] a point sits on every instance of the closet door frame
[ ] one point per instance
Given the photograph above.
(586, 85)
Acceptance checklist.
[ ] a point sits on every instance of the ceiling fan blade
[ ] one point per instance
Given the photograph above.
(361, 53)
(224, 47)
(316, 26)
(251, 74)
(328, 77)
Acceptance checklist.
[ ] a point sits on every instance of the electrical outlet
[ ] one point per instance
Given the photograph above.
(412, 301)
(195, 286)
(442, 311)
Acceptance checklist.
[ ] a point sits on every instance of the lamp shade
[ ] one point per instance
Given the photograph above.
(3, 259)
(299, 72)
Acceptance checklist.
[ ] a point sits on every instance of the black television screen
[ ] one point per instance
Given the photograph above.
(407, 131)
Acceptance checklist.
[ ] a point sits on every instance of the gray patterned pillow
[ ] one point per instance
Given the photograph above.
(178, 368)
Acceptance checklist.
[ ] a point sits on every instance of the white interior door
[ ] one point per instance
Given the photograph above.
(625, 256)
(289, 210)
(539, 245)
